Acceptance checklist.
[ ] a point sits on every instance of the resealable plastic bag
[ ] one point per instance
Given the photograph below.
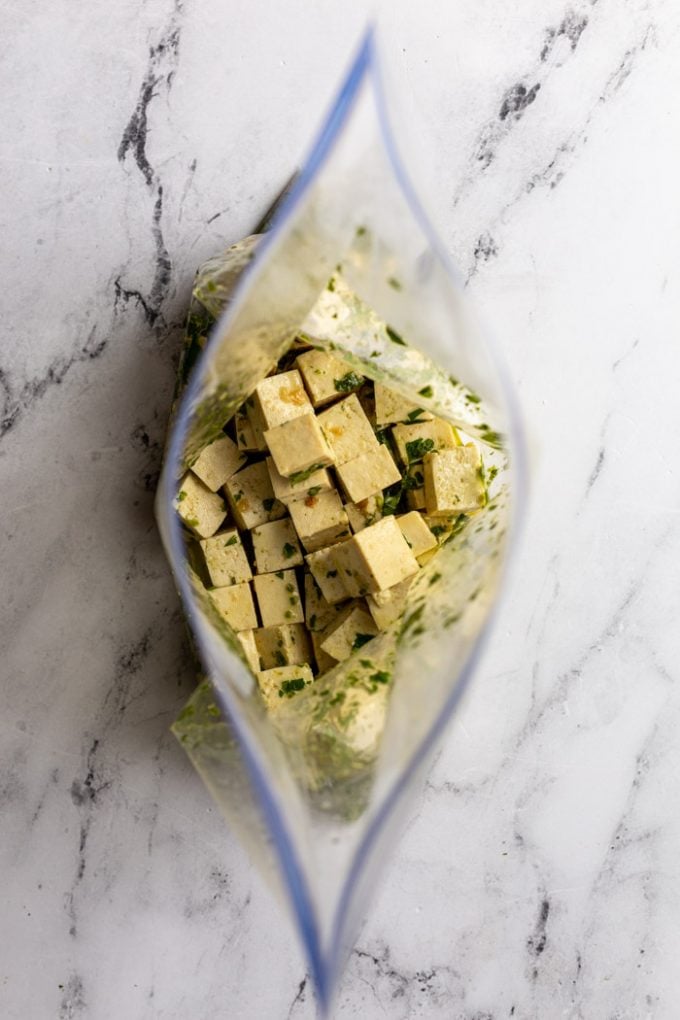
(352, 265)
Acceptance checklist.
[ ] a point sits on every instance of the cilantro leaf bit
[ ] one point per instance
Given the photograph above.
(182, 496)
(413, 417)
(360, 640)
(232, 541)
(349, 381)
(426, 392)
(417, 448)
(289, 688)
(394, 336)
(394, 283)
(288, 550)
(302, 476)
(268, 504)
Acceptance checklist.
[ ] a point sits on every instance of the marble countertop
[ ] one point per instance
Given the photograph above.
(541, 876)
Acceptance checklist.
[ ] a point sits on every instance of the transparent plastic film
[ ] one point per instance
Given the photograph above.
(316, 772)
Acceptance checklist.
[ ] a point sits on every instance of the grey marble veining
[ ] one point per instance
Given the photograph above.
(540, 877)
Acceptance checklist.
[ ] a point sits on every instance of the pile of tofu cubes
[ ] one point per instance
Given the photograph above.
(316, 509)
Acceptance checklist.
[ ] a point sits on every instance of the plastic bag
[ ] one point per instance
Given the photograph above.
(318, 790)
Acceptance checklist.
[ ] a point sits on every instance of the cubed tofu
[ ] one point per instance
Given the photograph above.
(327, 576)
(287, 491)
(376, 558)
(414, 441)
(276, 546)
(327, 377)
(368, 474)
(320, 521)
(281, 683)
(226, 559)
(324, 661)
(252, 498)
(247, 642)
(298, 447)
(282, 645)
(236, 605)
(348, 430)
(391, 407)
(416, 532)
(318, 611)
(280, 398)
(387, 606)
(218, 462)
(201, 510)
(246, 439)
(366, 512)
(453, 482)
(278, 598)
(416, 497)
(350, 632)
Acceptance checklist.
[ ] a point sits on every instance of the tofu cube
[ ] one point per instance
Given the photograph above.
(278, 598)
(200, 509)
(282, 645)
(348, 430)
(327, 575)
(324, 661)
(246, 439)
(366, 512)
(387, 606)
(320, 520)
(351, 631)
(454, 482)
(327, 377)
(416, 497)
(417, 534)
(247, 641)
(368, 474)
(251, 497)
(413, 442)
(218, 462)
(287, 491)
(376, 558)
(276, 546)
(236, 605)
(318, 611)
(226, 559)
(298, 447)
(280, 398)
(391, 407)
(281, 683)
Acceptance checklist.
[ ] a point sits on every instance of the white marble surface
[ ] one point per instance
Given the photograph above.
(542, 878)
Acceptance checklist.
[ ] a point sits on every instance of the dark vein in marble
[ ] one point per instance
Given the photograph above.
(300, 997)
(537, 941)
(160, 71)
(73, 1002)
(595, 473)
(570, 28)
(18, 399)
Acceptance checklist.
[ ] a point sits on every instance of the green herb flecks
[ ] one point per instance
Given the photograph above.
(288, 550)
(413, 417)
(360, 640)
(314, 491)
(426, 392)
(302, 476)
(182, 496)
(349, 381)
(232, 541)
(417, 448)
(394, 283)
(290, 687)
(268, 504)
(394, 336)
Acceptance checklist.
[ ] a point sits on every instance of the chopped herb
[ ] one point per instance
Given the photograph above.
(414, 481)
(279, 658)
(349, 381)
(331, 284)
(288, 550)
(453, 380)
(302, 476)
(231, 541)
(394, 283)
(361, 231)
(289, 586)
(288, 614)
(268, 504)
(181, 496)
(292, 600)
(366, 663)
(417, 448)
(314, 491)
(238, 496)
(414, 416)
(374, 354)
(290, 687)
(491, 473)
(394, 336)
(279, 574)
(192, 522)
(382, 435)
(331, 573)
(337, 699)
(391, 499)
(426, 392)
(472, 398)
(381, 677)
(435, 577)
(312, 621)
(360, 640)
(437, 530)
